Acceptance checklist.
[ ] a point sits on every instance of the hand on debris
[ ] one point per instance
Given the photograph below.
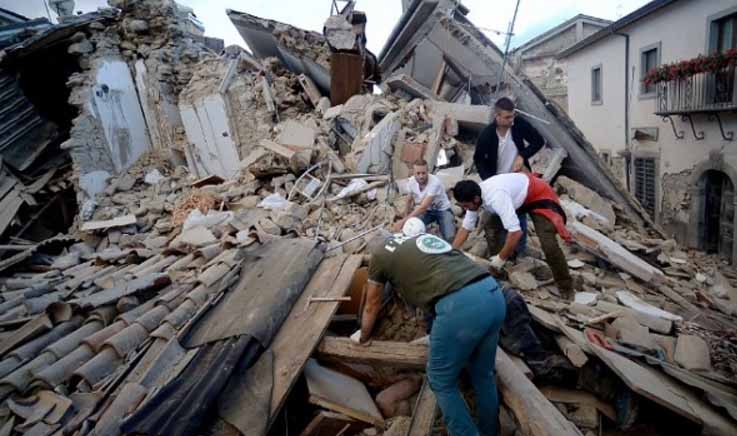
(397, 227)
(518, 164)
(497, 262)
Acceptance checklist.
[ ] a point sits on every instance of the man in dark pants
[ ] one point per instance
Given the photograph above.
(501, 149)
(469, 311)
(505, 196)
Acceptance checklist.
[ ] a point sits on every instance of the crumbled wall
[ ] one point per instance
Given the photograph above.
(550, 75)
(676, 202)
(162, 55)
(147, 58)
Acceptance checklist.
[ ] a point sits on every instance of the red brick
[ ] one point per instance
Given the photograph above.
(413, 152)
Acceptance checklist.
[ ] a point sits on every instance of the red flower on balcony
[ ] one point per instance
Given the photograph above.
(688, 68)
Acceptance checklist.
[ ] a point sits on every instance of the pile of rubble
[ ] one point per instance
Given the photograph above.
(215, 294)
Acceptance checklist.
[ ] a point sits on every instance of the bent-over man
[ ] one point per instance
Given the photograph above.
(506, 195)
(469, 309)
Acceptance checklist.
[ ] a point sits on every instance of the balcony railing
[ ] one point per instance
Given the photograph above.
(707, 92)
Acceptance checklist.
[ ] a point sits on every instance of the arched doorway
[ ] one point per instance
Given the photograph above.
(716, 217)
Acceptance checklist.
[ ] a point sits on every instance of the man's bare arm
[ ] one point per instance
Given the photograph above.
(460, 238)
(371, 309)
(422, 208)
(510, 244)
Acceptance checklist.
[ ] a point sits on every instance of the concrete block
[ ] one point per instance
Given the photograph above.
(631, 334)
(692, 353)
(523, 281)
(474, 117)
(296, 134)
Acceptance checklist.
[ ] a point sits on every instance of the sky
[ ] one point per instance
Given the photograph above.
(534, 16)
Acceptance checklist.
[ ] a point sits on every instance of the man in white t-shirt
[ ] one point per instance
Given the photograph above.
(429, 202)
(506, 195)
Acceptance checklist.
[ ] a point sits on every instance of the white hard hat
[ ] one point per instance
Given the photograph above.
(413, 227)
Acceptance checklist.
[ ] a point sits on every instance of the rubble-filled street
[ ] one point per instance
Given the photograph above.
(187, 232)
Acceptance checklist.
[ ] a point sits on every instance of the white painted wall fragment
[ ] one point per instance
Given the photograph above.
(207, 128)
(114, 103)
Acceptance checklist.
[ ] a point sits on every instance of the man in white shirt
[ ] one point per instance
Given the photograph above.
(504, 146)
(428, 201)
(505, 195)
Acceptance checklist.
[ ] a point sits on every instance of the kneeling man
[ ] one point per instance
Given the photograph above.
(429, 201)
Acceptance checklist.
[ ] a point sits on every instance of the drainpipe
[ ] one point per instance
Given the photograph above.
(628, 153)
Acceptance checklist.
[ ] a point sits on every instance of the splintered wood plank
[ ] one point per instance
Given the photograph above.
(569, 396)
(536, 415)
(662, 389)
(400, 354)
(423, 416)
(306, 324)
(346, 71)
(340, 393)
(332, 424)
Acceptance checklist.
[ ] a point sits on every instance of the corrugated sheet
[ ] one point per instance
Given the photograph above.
(24, 134)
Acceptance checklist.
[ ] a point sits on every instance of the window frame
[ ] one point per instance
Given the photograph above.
(658, 47)
(600, 100)
(711, 28)
(655, 157)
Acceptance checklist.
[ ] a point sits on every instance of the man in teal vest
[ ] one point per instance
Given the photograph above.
(468, 309)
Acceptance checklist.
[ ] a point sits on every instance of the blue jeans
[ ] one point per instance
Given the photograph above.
(465, 334)
(445, 220)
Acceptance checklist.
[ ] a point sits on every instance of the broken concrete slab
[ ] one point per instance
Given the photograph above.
(408, 85)
(474, 117)
(293, 133)
(341, 393)
(692, 353)
(630, 333)
(196, 237)
(378, 146)
(524, 281)
(633, 302)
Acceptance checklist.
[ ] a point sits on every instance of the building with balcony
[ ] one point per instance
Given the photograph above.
(655, 93)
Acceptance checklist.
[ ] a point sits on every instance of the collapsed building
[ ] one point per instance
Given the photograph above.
(210, 263)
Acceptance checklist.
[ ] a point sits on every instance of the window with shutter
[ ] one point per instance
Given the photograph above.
(645, 179)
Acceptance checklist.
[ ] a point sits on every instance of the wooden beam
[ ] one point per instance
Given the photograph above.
(438, 82)
(332, 424)
(399, 354)
(303, 329)
(536, 415)
(568, 396)
(423, 416)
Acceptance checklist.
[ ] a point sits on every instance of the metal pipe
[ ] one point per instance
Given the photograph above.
(510, 32)
(358, 236)
(529, 115)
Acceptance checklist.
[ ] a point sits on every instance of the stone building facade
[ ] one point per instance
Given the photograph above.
(673, 142)
(538, 57)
